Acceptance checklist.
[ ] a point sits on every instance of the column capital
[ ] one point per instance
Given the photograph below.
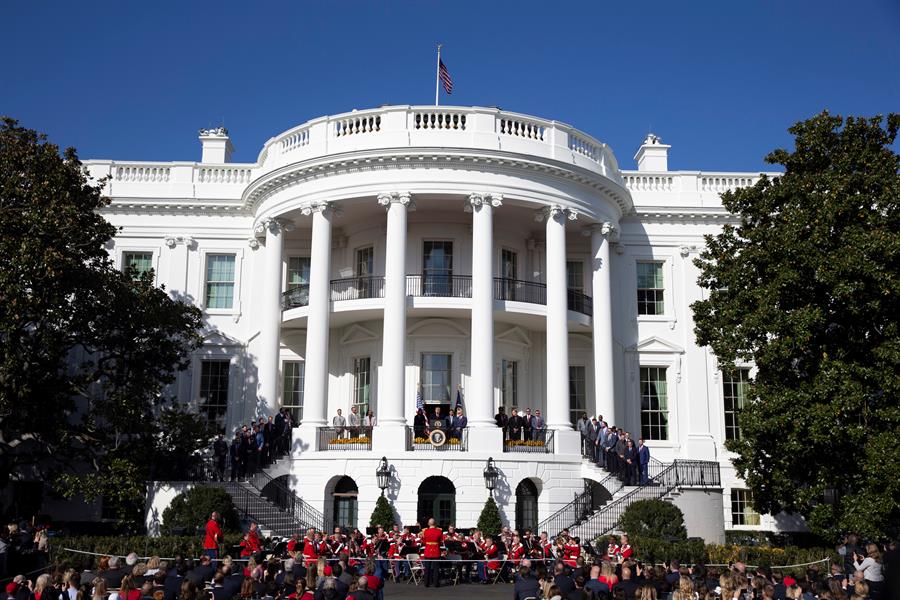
(555, 211)
(479, 199)
(607, 229)
(253, 243)
(327, 208)
(172, 240)
(385, 199)
(275, 225)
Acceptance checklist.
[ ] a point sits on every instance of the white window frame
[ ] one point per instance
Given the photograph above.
(371, 401)
(731, 512)
(665, 264)
(668, 411)
(672, 361)
(301, 406)
(238, 269)
(123, 250)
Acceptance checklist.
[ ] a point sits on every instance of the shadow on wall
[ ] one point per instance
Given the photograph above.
(503, 495)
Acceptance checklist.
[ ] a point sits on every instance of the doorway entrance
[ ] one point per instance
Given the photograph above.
(437, 498)
(345, 503)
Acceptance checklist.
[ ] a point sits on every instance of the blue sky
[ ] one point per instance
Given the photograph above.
(720, 81)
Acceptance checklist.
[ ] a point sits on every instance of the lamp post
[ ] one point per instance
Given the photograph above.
(491, 474)
(383, 474)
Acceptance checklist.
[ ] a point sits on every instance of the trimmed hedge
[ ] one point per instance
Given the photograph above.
(164, 546)
(654, 519)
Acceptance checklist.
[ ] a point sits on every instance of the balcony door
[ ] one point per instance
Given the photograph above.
(437, 268)
(509, 271)
(365, 267)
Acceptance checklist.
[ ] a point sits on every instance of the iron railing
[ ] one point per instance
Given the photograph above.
(516, 290)
(540, 442)
(345, 438)
(295, 297)
(457, 441)
(580, 302)
(278, 493)
(439, 286)
(580, 508)
(357, 288)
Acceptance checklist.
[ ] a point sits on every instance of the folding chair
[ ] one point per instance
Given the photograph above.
(454, 563)
(416, 570)
(499, 572)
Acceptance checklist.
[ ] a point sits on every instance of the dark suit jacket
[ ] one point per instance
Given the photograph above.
(201, 574)
(628, 586)
(172, 587)
(565, 584)
(526, 587)
(113, 577)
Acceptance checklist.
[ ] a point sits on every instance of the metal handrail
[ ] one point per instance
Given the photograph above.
(357, 438)
(295, 297)
(517, 290)
(439, 286)
(357, 288)
(580, 302)
(547, 436)
(282, 496)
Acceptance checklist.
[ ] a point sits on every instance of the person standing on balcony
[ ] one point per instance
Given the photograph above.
(644, 460)
(369, 421)
(584, 428)
(527, 419)
(220, 452)
(515, 425)
(537, 426)
(278, 434)
(460, 422)
(353, 422)
(339, 423)
(631, 464)
(420, 424)
(501, 419)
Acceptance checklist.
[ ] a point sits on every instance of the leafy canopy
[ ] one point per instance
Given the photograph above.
(190, 510)
(654, 519)
(806, 287)
(86, 351)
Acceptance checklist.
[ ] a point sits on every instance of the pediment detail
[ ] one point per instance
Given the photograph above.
(358, 333)
(437, 328)
(217, 338)
(657, 345)
(514, 335)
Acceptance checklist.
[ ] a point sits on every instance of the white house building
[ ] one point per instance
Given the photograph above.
(369, 257)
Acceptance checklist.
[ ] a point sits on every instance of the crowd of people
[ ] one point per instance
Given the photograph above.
(348, 565)
(254, 446)
(614, 449)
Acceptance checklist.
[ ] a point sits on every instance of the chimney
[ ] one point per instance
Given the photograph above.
(653, 155)
(216, 144)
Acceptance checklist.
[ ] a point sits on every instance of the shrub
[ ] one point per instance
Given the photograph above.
(383, 514)
(653, 550)
(654, 519)
(489, 521)
(164, 546)
(191, 509)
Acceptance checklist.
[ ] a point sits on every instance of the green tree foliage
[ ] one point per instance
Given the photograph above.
(191, 510)
(383, 514)
(654, 519)
(806, 287)
(85, 350)
(489, 521)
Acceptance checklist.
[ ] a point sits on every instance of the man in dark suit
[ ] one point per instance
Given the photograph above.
(439, 421)
(526, 586)
(202, 573)
(515, 425)
(172, 585)
(528, 419)
(627, 585)
(562, 579)
(644, 458)
(501, 419)
(460, 422)
(114, 574)
(232, 581)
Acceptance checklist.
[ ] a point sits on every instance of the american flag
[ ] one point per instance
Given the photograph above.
(458, 399)
(445, 77)
(420, 403)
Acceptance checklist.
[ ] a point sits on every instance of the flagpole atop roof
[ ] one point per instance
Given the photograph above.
(437, 78)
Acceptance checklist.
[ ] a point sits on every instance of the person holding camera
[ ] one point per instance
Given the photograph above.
(870, 565)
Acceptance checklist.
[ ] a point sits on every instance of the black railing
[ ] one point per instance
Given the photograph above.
(357, 288)
(295, 297)
(439, 286)
(418, 441)
(516, 290)
(579, 302)
(278, 493)
(345, 438)
(581, 507)
(540, 442)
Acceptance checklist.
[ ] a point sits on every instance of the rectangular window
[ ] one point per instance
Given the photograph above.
(436, 375)
(509, 384)
(575, 275)
(292, 391)
(139, 262)
(219, 280)
(214, 375)
(654, 404)
(734, 393)
(742, 512)
(437, 269)
(298, 272)
(365, 269)
(577, 397)
(362, 380)
(650, 288)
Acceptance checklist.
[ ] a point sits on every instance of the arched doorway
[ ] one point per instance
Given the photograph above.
(437, 498)
(345, 503)
(526, 505)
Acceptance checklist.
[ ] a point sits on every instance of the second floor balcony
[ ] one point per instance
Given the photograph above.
(436, 286)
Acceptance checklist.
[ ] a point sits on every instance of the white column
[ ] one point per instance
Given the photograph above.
(270, 317)
(480, 390)
(391, 399)
(604, 384)
(315, 395)
(557, 318)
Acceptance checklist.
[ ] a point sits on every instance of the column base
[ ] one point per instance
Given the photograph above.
(567, 441)
(488, 440)
(388, 439)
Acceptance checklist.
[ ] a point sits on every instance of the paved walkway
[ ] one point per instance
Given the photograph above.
(469, 591)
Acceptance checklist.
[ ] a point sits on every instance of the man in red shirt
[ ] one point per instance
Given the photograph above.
(433, 538)
(213, 537)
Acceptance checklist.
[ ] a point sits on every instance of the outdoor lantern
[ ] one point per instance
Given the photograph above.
(383, 473)
(490, 476)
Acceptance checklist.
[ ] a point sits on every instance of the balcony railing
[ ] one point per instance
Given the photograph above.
(345, 438)
(419, 442)
(439, 286)
(516, 290)
(357, 288)
(540, 442)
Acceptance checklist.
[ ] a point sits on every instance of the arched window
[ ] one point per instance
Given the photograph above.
(437, 498)
(345, 503)
(526, 505)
